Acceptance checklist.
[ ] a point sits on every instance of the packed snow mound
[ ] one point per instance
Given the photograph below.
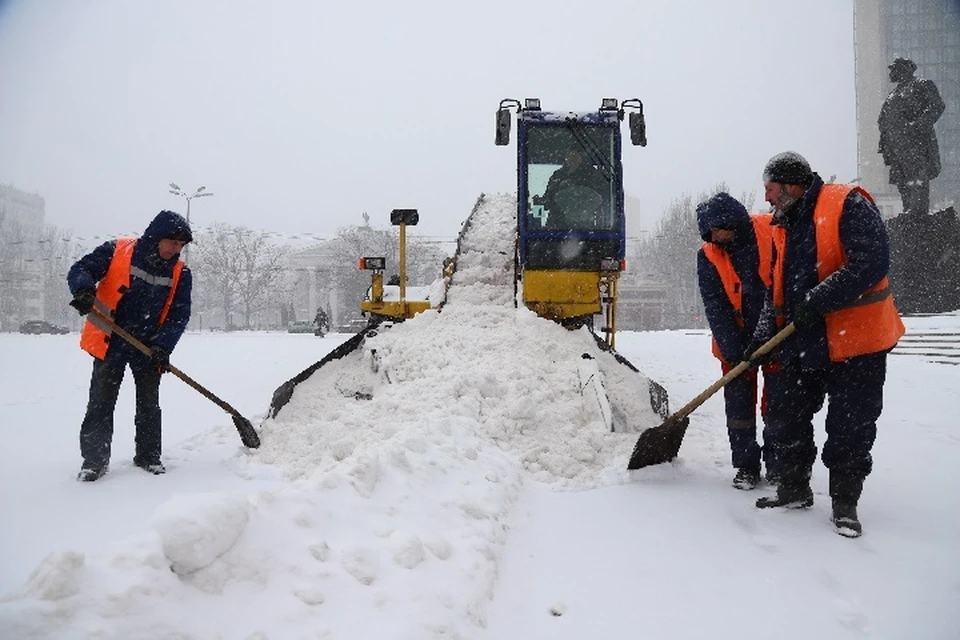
(509, 374)
(196, 530)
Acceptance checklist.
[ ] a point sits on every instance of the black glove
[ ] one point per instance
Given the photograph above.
(160, 358)
(83, 301)
(805, 317)
(752, 347)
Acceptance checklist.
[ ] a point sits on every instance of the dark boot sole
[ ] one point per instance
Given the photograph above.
(846, 532)
(772, 502)
(92, 476)
(848, 528)
(155, 470)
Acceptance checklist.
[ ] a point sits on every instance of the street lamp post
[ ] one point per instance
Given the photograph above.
(199, 193)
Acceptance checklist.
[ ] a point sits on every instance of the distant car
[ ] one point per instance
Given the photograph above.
(301, 326)
(42, 326)
(353, 326)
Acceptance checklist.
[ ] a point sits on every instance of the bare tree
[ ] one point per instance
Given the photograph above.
(215, 268)
(261, 267)
(235, 269)
(351, 244)
(671, 256)
(424, 261)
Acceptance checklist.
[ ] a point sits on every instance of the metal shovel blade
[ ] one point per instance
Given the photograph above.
(248, 435)
(659, 444)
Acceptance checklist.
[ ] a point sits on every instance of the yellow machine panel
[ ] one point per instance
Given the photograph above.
(404, 310)
(562, 294)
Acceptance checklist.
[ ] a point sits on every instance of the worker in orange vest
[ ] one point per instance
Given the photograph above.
(145, 288)
(830, 279)
(733, 271)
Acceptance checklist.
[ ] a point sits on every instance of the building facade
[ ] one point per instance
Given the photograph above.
(313, 285)
(21, 270)
(927, 32)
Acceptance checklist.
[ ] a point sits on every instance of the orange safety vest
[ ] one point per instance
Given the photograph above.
(94, 340)
(869, 323)
(720, 259)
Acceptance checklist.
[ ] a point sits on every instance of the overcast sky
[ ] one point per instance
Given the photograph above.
(300, 115)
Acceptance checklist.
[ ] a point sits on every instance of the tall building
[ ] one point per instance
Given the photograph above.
(21, 209)
(927, 32)
(21, 280)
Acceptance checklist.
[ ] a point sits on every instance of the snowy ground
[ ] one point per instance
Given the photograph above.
(419, 519)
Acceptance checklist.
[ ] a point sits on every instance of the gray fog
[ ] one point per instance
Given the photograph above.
(299, 116)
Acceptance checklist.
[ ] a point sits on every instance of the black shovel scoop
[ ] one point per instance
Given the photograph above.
(662, 443)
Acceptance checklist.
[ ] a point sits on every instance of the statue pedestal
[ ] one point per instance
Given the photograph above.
(925, 261)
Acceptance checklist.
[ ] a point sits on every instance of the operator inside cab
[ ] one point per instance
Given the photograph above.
(577, 195)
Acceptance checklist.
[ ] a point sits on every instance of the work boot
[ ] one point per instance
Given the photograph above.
(746, 479)
(771, 452)
(790, 495)
(845, 521)
(155, 467)
(845, 490)
(91, 472)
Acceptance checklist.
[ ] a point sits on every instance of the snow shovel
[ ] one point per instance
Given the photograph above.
(247, 433)
(662, 443)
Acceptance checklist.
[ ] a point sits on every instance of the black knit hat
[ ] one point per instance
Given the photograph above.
(788, 167)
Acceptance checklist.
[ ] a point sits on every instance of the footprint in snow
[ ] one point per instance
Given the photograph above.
(361, 563)
(848, 615)
(755, 532)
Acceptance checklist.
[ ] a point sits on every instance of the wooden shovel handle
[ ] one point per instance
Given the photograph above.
(107, 324)
(764, 349)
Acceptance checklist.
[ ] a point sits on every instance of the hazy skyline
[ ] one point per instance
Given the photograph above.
(299, 117)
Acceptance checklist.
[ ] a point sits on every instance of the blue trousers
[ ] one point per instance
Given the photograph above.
(96, 431)
(740, 403)
(854, 393)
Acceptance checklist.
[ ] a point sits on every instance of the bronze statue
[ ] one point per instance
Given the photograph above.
(908, 142)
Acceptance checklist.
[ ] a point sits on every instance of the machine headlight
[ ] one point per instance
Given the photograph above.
(373, 264)
(609, 264)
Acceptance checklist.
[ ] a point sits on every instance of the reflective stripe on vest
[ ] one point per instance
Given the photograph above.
(732, 286)
(110, 290)
(867, 324)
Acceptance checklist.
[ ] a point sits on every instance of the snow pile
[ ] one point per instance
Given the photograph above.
(508, 376)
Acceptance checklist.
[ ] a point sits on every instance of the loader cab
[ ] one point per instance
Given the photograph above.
(570, 190)
(570, 220)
